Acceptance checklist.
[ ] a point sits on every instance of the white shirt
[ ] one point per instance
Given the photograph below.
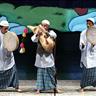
(43, 59)
(6, 57)
(88, 53)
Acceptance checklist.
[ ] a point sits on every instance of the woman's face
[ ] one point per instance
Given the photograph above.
(4, 29)
(46, 26)
(89, 23)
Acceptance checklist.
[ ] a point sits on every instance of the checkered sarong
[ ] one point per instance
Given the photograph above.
(88, 77)
(46, 78)
(8, 78)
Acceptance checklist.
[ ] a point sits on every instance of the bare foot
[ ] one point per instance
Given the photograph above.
(56, 90)
(38, 91)
(81, 90)
(18, 90)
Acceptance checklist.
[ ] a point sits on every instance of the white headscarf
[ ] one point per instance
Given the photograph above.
(45, 22)
(4, 23)
(91, 19)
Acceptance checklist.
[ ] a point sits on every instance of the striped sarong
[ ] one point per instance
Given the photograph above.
(46, 78)
(88, 77)
(9, 78)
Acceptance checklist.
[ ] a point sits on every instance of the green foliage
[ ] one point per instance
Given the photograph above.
(29, 15)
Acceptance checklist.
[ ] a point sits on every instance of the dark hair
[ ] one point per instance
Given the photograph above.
(91, 21)
(1, 26)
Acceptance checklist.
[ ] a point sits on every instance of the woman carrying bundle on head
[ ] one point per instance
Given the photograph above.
(44, 58)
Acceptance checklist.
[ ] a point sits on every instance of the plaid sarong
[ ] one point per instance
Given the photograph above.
(88, 77)
(46, 78)
(9, 78)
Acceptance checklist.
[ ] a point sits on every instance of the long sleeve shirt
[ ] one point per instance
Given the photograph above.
(88, 52)
(6, 58)
(43, 59)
